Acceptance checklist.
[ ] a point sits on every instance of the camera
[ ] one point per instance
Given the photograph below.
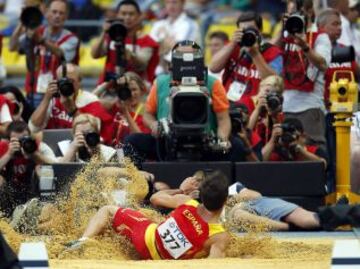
(117, 31)
(65, 86)
(343, 92)
(92, 139)
(239, 117)
(31, 17)
(274, 101)
(250, 37)
(343, 54)
(289, 134)
(188, 65)
(120, 89)
(28, 144)
(296, 23)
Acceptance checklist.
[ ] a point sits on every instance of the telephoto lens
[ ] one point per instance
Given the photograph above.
(117, 31)
(31, 17)
(250, 37)
(296, 23)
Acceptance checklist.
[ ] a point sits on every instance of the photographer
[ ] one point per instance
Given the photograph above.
(266, 107)
(287, 143)
(306, 57)
(239, 115)
(86, 142)
(157, 111)
(64, 99)
(45, 45)
(19, 107)
(140, 50)
(19, 156)
(329, 21)
(123, 98)
(246, 59)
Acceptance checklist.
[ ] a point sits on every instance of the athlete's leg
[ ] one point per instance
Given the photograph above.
(303, 218)
(239, 215)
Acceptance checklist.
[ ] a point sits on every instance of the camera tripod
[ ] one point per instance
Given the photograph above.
(342, 126)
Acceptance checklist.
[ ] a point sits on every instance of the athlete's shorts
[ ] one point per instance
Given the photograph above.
(273, 208)
(133, 225)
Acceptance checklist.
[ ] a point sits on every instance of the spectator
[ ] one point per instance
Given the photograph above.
(86, 142)
(239, 115)
(19, 107)
(266, 107)
(217, 40)
(128, 114)
(288, 143)
(58, 112)
(176, 27)
(306, 58)
(156, 111)
(19, 156)
(52, 43)
(141, 51)
(244, 67)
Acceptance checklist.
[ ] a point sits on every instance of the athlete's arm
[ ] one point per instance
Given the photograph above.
(218, 248)
(169, 198)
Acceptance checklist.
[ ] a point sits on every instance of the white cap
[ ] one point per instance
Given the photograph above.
(353, 3)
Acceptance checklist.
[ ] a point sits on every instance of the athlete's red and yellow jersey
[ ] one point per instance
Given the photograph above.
(181, 235)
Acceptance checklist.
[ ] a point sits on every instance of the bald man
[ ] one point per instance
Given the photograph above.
(57, 109)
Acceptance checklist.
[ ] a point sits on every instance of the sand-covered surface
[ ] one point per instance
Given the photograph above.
(66, 219)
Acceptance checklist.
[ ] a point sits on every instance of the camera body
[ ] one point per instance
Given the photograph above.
(274, 101)
(28, 144)
(92, 139)
(250, 37)
(238, 117)
(288, 136)
(343, 92)
(120, 89)
(65, 86)
(296, 23)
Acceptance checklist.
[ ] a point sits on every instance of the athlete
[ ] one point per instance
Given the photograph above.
(192, 229)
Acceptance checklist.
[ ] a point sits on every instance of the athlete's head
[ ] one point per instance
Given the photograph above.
(214, 191)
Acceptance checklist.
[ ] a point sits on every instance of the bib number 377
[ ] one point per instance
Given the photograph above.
(173, 239)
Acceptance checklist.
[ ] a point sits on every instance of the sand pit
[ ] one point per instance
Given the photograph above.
(295, 254)
(66, 219)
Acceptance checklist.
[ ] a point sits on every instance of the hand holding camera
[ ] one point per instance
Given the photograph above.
(52, 90)
(79, 141)
(277, 132)
(25, 145)
(14, 146)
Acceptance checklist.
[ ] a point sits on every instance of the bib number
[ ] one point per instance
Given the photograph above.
(43, 82)
(236, 90)
(173, 239)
